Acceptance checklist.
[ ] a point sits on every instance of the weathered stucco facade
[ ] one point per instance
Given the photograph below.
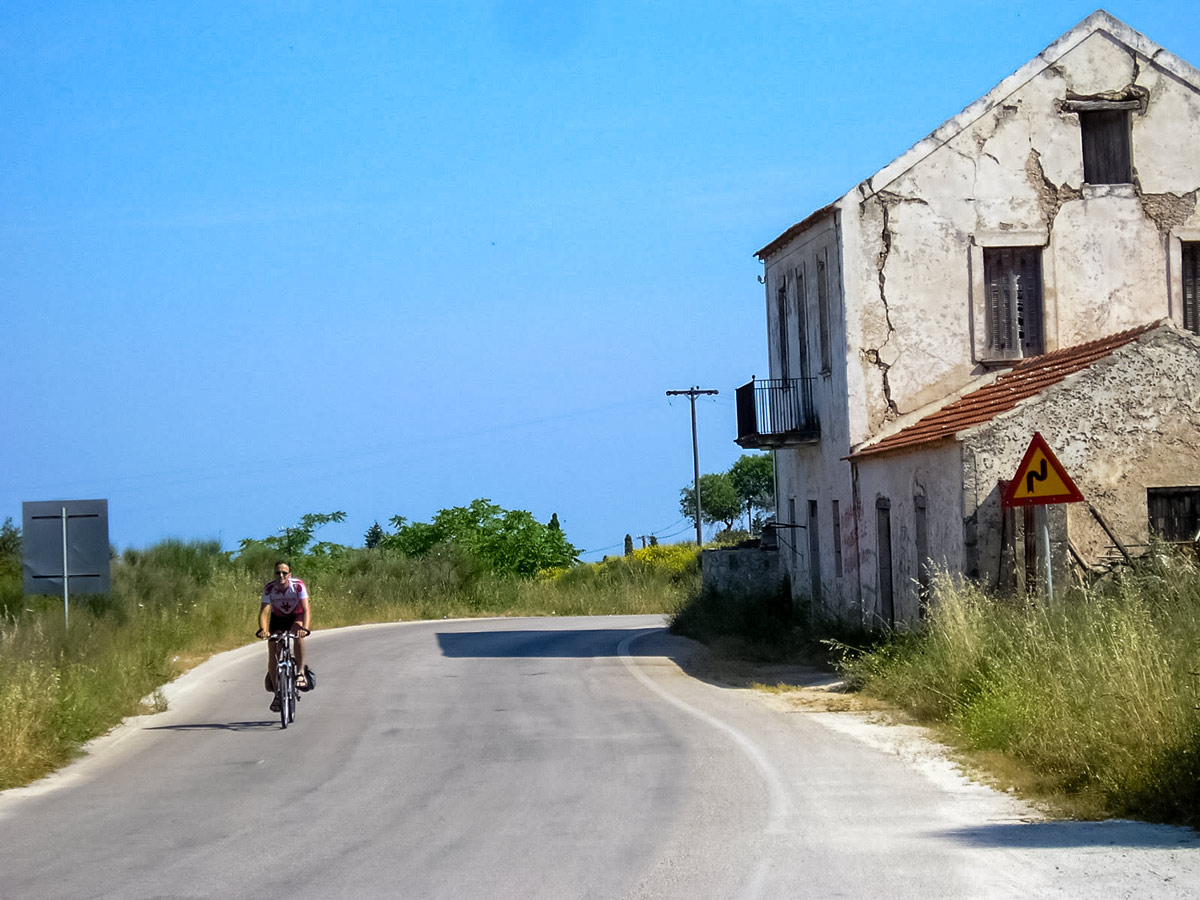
(1056, 210)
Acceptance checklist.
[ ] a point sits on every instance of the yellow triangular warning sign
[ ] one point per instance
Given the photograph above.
(1041, 478)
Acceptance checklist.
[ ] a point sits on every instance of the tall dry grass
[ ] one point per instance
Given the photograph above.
(1096, 695)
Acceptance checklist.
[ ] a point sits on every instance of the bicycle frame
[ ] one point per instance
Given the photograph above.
(286, 674)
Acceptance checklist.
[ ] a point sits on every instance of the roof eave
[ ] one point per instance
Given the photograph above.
(799, 228)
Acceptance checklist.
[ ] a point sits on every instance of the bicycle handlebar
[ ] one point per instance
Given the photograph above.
(276, 635)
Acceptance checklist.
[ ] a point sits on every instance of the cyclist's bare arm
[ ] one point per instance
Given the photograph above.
(264, 619)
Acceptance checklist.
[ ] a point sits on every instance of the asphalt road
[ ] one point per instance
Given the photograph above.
(537, 758)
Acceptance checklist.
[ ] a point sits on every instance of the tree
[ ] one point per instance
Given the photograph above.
(373, 536)
(719, 502)
(10, 548)
(753, 478)
(10, 540)
(507, 541)
(293, 540)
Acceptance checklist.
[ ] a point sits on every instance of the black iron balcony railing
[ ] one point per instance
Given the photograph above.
(776, 412)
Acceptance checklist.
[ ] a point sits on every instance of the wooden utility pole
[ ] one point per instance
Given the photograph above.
(692, 394)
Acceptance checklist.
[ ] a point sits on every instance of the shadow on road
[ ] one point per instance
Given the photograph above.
(1067, 835)
(218, 726)
(694, 658)
(546, 644)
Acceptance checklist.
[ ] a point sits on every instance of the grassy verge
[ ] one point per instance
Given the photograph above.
(1090, 704)
(175, 604)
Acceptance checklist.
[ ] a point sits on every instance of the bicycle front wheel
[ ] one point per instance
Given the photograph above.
(282, 677)
(289, 695)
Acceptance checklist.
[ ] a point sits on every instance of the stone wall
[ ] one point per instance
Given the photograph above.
(739, 571)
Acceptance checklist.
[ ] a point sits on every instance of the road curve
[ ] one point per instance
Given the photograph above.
(533, 758)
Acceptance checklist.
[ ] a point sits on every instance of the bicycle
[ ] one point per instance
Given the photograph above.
(286, 673)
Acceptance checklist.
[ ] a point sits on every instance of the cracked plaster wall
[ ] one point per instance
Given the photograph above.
(907, 317)
(1014, 176)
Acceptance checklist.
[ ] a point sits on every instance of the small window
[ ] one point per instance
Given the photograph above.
(1106, 146)
(1174, 512)
(1191, 287)
(1013, 278)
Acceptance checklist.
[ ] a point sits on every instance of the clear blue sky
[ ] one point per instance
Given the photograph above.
(269, 258)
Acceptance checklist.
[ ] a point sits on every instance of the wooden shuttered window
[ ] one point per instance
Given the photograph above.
(823, 312)
(1107, 155)
(1013, 278)
(781, 318)
(1174, 512)
(801, 302)
(1191, 287)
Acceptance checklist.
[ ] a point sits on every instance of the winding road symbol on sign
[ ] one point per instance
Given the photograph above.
(1035, 476)
(1041, 479)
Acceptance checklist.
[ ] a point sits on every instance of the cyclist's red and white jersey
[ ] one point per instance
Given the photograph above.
(285, 599)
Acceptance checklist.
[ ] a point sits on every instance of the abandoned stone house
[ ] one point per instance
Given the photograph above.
(1031, 265)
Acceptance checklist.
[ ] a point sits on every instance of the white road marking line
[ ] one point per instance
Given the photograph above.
(780, 804)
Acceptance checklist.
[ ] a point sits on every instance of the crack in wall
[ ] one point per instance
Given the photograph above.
(1051, 197)
(872, 354)
(999, 116)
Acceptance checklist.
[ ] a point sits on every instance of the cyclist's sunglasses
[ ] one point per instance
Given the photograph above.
(282, 572)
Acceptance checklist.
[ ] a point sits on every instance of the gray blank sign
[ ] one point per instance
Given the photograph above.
(87, 546)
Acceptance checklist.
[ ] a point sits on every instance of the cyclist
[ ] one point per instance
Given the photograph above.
(284, 608)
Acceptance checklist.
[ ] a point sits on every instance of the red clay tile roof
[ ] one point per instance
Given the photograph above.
(1025, 379)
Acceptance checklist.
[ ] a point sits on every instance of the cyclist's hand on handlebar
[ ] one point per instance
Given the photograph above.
(260, 634)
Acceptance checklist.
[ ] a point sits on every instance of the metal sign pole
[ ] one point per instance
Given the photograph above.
(66, 574)
(1044, 517)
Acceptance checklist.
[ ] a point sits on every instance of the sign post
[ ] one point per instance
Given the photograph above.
(66, 575)
(1040, 481)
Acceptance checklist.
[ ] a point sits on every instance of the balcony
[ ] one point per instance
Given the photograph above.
(776, 412)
